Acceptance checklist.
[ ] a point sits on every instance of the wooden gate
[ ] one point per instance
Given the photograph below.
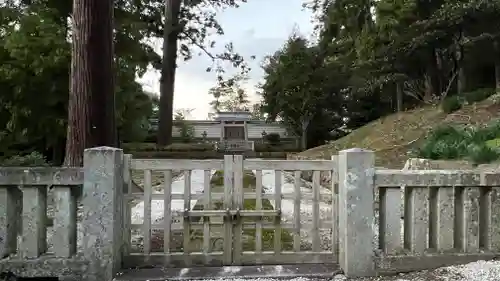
(224, 214)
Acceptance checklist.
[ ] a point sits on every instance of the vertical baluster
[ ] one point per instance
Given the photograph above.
(187, 220)
(10, 196)
(65, 206)
(167, 215)
(390, 220)
(277, 206)
(148, 190)
(296, 211)
(34, 238)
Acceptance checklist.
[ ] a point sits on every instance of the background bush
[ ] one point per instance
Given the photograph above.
(477, 144)
(32, 159)
(452, 104)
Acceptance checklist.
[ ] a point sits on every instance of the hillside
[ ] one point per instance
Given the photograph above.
(392, 137)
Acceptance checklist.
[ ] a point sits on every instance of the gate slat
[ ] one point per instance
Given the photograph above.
(277, 206)
(167, 215)
(296, 211)
(315, 212)
(187, 220)
(228, 187)
(258, 207)
(147, 214)
(207, 203)
(238, 198)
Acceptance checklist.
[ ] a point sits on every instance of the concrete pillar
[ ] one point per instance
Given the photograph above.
(102, 220)
(356, 212)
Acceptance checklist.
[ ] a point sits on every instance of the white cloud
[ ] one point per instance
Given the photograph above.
(257, 28)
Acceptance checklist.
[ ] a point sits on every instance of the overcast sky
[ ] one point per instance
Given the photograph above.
(258, 28)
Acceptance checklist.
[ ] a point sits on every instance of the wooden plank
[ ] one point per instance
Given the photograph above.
(277, 206)
(324, 197)
(207, 203)
(127, 207)
(228, 192)
(238, 204)
(390, 220)
(64, 239)
(315, 213)
(426, 178)
(288, 165)
(148, 190)
(34, 242)
(186, 221)
(167, 214)
(246, 225)
(258, 207)
(334, 199)
(41, 176)
(296, 211)
(176, 164)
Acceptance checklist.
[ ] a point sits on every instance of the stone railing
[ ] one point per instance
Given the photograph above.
(29, 247)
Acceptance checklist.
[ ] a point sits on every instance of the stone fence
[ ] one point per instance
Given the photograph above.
(426, 218)
(66, 253)
(388, 221)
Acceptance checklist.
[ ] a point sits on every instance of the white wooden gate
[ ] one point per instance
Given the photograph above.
(236, 218)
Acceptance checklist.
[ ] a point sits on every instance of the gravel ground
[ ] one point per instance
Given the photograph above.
(476, 271)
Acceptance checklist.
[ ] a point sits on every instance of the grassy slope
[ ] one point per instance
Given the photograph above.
(392, 137)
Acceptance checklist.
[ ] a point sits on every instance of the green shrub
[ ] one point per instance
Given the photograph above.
(480, 145)
(189, 147)
(478, 95)
(139, 146)
(29, 160)
(452, 104)
(447, 142)
(273, 138)
(481, 153)
(150, 147)
(266, 147)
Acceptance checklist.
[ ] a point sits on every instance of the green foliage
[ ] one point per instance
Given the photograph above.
(282, 147)
(186, 130)
(273, 138)
(33, 159)
(478, 95)
(462, 142)
(175, 147)
(452, 104)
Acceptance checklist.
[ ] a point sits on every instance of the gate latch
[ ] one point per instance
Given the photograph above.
(236, 216)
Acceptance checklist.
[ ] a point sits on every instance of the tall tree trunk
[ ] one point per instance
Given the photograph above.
(496, 45)
(303, 137)
(167, 82)
(399, 97)
(461, 78)
(91, 117)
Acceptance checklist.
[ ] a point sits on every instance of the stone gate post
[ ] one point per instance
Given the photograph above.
(356, 212)
(102, 220)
